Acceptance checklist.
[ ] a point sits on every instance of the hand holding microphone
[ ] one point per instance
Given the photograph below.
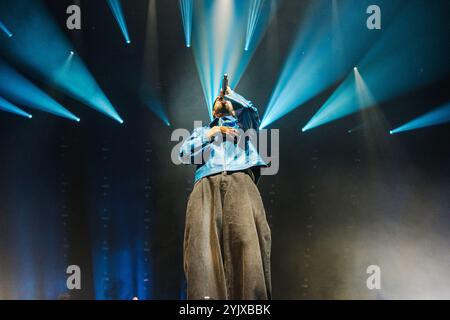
(225, 87)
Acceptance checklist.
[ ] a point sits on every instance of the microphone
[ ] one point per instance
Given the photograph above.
(224, 85)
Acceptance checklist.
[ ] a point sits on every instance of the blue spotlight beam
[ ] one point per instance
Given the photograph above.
(186, 7)
(253, 17)
(353, 95)
(357, 128)
(7, 106)
(65, 67)
(17, 88)
(150, 92)
(347, 97)
(116, 8)
(40, 46)
(5, 29)
(406, 57)
(217, 47)
(438, 116)
(329, 41)
(365, 96)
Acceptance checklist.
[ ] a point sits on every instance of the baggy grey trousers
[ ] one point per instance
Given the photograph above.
(227, 240)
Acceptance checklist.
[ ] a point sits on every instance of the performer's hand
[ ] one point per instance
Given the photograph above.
(221, 129)
(226, 93)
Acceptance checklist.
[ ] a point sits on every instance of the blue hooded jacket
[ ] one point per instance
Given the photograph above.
(215, 156)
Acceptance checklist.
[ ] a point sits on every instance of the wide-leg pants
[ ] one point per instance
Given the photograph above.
(227, 240)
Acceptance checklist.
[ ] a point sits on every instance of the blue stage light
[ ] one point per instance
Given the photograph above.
(40, 46)
(64, 68)
(357, 128)
(7, 106)
(152, 101)
(329, 42)
(186, 7)
(5, 29)
(407, 56)
(116, 8)
(438, 116)
(218, 36)
(255, 11)
(17, 88)
(352, 95)
(150, 98)
(150, 89)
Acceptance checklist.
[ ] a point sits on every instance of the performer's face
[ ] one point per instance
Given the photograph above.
(223, 108)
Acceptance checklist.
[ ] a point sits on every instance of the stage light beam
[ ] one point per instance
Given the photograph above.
(414, 59)
(41, 47)
(116, 8)
(186, 7)
(217, 47)
(7, 106)
(253, 17)
(150, 89)
(363, 93)
(65, 68)
(5, 29)
(328, 43)
(351, 96)
(435, 117)
(17, 88)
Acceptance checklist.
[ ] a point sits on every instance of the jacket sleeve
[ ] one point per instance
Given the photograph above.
(191, 151)
(246, 112)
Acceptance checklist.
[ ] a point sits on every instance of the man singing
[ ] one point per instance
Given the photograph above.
(227, 238)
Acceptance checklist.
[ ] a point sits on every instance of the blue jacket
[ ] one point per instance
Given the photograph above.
(215, 156)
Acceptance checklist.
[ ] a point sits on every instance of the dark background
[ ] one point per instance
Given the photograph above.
(107, 197)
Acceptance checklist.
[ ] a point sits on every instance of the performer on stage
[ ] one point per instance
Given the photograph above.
(227, 238)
